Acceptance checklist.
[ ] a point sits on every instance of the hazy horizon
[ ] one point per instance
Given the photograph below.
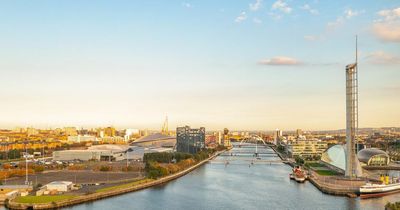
(243, 65)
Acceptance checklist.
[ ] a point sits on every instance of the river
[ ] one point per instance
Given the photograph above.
(238, 185)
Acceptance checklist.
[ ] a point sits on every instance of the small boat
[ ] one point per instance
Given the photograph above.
(298, 174)
(291, 176)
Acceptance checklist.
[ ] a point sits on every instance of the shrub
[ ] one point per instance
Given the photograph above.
(105, 168)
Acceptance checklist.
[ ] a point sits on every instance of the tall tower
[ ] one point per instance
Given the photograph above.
(164, 129)
(351, 119)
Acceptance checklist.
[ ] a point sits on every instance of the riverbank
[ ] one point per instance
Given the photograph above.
(100, 195)
(331, 185)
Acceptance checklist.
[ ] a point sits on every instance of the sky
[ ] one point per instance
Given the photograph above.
(244, 65)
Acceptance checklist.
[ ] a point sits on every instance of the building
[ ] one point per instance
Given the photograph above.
(104, 152)
(307, 148)
(109, 132)
(155, 140)
(70, 131)
(227, 140)
(352, 119)
(190, 140)
(277, 136)
(373, 157)
(129, 133)
(59, 186)
(113, 140)
(32, 131)
(219, 138)
(299, 133)
(335, 157)
(79, 138)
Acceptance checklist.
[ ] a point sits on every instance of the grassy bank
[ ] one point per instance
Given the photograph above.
(326, 172)
(122, 186)
(43, 198)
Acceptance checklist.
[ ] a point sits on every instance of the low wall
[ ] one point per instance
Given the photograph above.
(101, 195)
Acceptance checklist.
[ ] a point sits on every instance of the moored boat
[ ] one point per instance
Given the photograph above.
(298, 174)
(370, 190)
(377, 190)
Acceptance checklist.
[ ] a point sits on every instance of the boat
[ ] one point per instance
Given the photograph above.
(370, 190)
(298, 174)
(291, 176)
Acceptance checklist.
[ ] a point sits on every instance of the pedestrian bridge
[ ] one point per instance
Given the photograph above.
(246, 161)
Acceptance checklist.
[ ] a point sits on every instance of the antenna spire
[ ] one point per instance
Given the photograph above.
(356, 50)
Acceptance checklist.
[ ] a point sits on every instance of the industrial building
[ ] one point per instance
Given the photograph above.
(190, 140)
(59, 186)
(107, 152)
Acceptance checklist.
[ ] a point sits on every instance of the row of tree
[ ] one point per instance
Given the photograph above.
(164, 163)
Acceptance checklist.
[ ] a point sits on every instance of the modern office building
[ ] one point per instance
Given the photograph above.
(190, 140)
(277, 136)
(307, 148)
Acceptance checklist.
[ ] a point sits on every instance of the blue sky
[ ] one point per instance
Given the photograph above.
(236, 64)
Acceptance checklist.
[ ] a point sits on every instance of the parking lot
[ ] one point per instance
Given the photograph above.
(79, 176)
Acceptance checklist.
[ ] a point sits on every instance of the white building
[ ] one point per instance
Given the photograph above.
(59, 186)
(79, 138)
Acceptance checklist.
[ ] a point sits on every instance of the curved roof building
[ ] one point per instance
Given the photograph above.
(155, 140)
(373, 157)
(336, 156)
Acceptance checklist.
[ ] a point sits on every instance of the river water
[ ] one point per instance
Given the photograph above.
(238, 185)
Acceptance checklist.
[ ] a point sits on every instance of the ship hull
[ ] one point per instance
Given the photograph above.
(379, 191)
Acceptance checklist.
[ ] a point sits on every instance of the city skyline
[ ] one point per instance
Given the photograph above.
(249, 65)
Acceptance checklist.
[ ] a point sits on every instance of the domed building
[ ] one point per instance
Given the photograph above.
(335, 156)
(373, 157)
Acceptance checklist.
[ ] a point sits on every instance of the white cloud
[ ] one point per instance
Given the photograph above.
(349, 13)
(187, 5)
(390, 15)
(381, 57)
(280, 61)
(309, 9)
(256, 6)
(282, 6)
(387, 28)
(256, 20)
(335, 24)
(241, 17)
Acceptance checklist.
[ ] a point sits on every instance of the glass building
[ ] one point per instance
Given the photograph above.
(373, 157)
(335, 156)
(190, 140)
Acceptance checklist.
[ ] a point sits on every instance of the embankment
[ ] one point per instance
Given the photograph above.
(100, 195)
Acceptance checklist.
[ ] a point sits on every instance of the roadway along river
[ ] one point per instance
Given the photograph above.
(239, 185)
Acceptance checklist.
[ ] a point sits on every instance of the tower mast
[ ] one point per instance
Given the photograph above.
(352, 118)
